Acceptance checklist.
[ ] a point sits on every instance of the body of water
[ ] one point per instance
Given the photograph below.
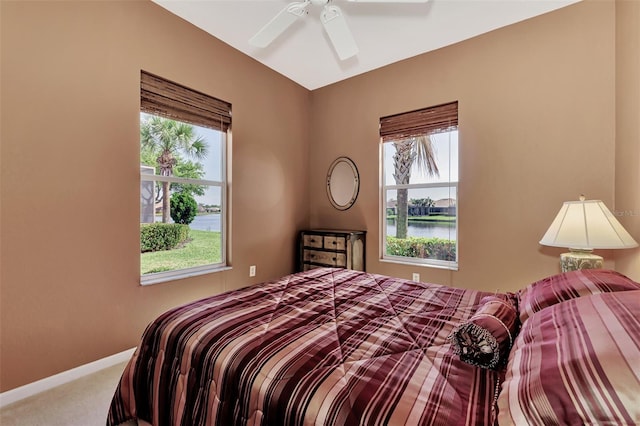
(425, 229)
(211, 222)
(205, 222)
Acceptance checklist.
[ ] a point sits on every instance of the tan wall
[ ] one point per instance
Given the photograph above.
(628, 130)
(70, 161)
(537, 112)
(537, 127)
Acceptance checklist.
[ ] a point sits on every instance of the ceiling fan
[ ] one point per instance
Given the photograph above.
(332, 20)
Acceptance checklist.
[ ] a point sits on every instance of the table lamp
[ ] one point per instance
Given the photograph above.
(583, 226)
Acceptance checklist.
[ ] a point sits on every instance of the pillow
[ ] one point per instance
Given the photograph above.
(485, 339)
(569, 285)
(576, 363)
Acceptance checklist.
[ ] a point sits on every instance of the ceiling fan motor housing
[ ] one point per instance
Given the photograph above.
(332, 19)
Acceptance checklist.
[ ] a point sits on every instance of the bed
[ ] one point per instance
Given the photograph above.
(340, 347)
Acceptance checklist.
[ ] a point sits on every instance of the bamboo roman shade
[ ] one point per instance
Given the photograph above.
(437, 119)
(177, 102)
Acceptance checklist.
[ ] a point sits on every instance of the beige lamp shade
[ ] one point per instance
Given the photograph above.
(587, 225)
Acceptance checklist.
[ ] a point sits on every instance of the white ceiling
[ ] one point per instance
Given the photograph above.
(384, 32)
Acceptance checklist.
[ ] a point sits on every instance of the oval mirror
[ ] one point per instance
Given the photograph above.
(343, 183)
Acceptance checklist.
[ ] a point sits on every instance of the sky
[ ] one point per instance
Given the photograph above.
(446, 148)
(212, 165)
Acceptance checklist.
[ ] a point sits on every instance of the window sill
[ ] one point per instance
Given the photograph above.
(163, 277)
(432, 264)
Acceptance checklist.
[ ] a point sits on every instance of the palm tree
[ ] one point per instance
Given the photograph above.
(167, 138)
(415, 150)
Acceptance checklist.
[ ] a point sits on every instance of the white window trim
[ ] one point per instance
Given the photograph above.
(162, 277)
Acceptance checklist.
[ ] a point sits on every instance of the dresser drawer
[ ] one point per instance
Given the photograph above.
(334, 243)
(325, 257)
(313, 241)
(308, 267)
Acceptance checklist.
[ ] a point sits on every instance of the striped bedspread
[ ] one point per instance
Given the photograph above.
(323, 347)
(576, 362)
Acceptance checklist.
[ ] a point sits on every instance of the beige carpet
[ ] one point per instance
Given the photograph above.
(83, 402)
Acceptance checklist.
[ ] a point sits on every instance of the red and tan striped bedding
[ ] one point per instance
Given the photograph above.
(570, 285)
(576, 362)
(323, 347)
(340, 347)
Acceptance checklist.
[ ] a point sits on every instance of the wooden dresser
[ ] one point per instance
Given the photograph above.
(334, 248)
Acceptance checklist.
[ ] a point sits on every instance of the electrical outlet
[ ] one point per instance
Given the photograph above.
(252, 270)
(416, 276)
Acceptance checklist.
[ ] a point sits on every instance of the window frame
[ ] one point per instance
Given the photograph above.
(170, 100)
(402, 126)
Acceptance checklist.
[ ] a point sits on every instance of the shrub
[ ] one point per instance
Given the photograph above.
(423, 248)
(162, 236)
(183, 208)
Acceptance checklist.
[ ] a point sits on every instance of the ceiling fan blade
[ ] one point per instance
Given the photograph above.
(278, 24)
(336, 27)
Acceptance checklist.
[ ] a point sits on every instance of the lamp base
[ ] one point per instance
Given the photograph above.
(579, 259)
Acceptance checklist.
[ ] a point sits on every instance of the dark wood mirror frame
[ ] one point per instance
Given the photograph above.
(343, 183)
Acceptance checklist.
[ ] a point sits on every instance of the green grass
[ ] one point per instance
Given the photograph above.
(203, 248)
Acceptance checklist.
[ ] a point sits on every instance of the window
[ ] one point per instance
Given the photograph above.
(419, 203)
(183, 190)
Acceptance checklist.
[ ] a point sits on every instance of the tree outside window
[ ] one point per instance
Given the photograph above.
(183, 202)
(420, 181)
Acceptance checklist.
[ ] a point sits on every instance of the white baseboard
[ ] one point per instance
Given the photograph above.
(14, 395)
